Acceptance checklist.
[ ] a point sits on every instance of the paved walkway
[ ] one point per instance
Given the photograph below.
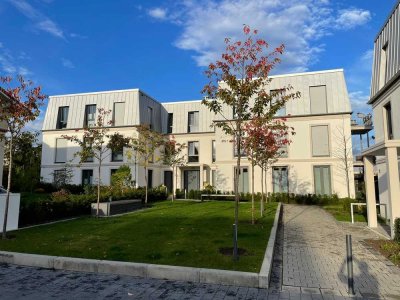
(312, 257)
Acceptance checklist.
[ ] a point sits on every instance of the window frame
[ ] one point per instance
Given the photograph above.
(194, 149)
(312, 140)
(118, 102)
(57, 148)
(330, 178)
(86, 120)
(170, 123)
(280, 168)
(86, 170)
(326, 99)
(59, 121)
(190, 126)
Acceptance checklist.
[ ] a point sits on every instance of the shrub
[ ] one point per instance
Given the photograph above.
(397, 230)
(60, 196)
(180, 194)
(40, 191)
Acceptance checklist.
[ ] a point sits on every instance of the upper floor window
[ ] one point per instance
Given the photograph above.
(213, 151)
(62, 118)
(276, 95)
(90, 115)
(193, 155)
(117, 155)
(170, 122)
(118, 114)
(389, 122)
(235, 151)
(150, 116)
(383, 66)
(61, 151)
(318, 99)
(193, 121)
(320, 140)
(88, 144)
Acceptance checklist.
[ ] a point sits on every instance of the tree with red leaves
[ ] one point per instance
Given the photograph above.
(238, 81)
(20, 104)
(264, 143)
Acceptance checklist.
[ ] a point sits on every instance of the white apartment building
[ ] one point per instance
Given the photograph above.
(311, 163)
(381, 160)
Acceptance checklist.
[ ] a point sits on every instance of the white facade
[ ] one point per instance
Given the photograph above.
(311, 166)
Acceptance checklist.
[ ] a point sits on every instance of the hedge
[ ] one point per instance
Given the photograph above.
(63, 204)
(397, 230)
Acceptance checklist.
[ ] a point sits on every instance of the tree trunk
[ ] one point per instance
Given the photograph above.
(4, 234)
(262, 193)
(252, 192)
(146, 185)
(266, 188)
(235, 242)
(174, 171)
(98, 190)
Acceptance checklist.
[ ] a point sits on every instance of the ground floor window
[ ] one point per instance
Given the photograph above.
(168, 181)
(191, 180)
(322, 180)
(87, 177)
(243, 180)
(280, 179)
(149, 179)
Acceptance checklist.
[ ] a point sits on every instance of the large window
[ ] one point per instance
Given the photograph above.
(149, 179)
(150, 117)
(90, 115)
(322, 180)
(62, 118)
(88, 144)
(193, 152)
(118, 113)
(383, 66)
(87, 177)
(213, 151)
(389, 122)
(193, 121)
(276, 95)
(117, 155)
(243, 179)
(320, 140)
(318, 99)
(61, 151)
(170, 123)
(280, 179)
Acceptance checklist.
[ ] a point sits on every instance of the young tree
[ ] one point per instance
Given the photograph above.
(238, 81)
(143, 148)
(344, 153)
(172, 156)
(97, 144)
(20, 104)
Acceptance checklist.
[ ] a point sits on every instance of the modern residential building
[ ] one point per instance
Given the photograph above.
(381, 159)
(313, 162)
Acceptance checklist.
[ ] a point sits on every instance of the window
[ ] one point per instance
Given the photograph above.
(149, 179)
(213, 151)
(242, 150)
(318, 100)
(88, 144)
(113, 171)
(320, 140)
(234, 113)
(322, 180)
(214, 178)
(276, 95)
(90, 115)
(280, 179)
(170, 122)
(191, 180)
(60, 177)
(61, 151)
(87, 177)
(389, 122)
(283, 149)
(383, 66)
(193, 121)
(193, 155)
(62, 118)
(243, 180)
(117, 155)
(150, 117)
(118, 113)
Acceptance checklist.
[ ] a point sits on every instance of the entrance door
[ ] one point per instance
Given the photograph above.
(243, 180)
(191, 180)
(150, 179)
(168, 181)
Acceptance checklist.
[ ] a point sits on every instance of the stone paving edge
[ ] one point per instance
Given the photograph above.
(198, 275)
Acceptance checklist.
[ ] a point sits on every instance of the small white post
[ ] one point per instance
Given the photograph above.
(352, 213)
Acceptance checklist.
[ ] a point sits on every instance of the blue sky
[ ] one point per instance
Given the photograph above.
(71, 46)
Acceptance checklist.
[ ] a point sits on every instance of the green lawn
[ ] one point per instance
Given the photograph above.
(179, 233)
(341, 215)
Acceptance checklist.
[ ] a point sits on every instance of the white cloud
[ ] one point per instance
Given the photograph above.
(352, 17)
(67, 63)
(11, 65)
(77, 35)
(296, 23)
(158, 13)
(40, 21)
(359, 101)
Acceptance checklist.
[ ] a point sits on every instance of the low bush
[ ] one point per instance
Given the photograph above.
(397, 230)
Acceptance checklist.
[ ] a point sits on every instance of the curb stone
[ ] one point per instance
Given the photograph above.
(199, 275)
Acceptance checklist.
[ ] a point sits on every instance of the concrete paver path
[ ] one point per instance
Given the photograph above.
(313, 257)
